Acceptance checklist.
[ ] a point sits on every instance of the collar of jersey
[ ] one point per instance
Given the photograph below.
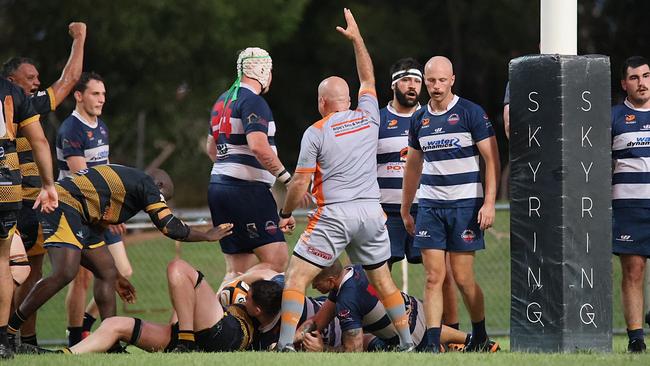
(244, 85)
(393, 111)
(83, 120)
(632, 107)
(451, 105)
(347, 276)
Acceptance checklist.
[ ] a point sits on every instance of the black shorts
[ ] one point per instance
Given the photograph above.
(228, 335)
(8, 220)
(65, 228)
(30, 229)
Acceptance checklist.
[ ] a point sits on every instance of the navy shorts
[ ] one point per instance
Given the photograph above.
(631, 231)
(252, 210)
(111, 238)
(401, 243)
(449, 229)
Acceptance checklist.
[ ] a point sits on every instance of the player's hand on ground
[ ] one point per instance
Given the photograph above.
(486, 216)
(47, 199)
(125, 289)
(409, 223)
(220, 231)
(119, 229)
(313, 342)
(351, 32)
(77, 30)
(287, 225)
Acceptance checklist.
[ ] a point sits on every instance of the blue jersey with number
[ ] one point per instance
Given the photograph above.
(450, 173)
(229, 125)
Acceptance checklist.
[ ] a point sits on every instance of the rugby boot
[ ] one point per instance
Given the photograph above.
(636, 346)
(6, 352)
(485, 346)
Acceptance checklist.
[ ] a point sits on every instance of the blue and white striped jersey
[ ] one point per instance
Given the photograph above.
(229, 126)
(391, 157)
(631, 155)
(451, 173)
(78, 137)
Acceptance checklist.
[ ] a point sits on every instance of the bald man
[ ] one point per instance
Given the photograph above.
(445, 140)
(339, 151)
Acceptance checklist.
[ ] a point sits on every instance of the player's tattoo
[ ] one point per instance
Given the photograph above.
(353, 340)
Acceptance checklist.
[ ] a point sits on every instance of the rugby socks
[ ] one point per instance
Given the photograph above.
(479, 335)
(394, 305)
(186, 338)
(635, 334)
(74, 335)
(432, 338)
(292, 305)
(3, 335)
(16, 321)
(31, 339)
(88, 322)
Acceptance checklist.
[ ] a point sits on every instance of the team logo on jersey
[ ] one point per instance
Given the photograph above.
(423, 234)
(251, 228)
(403, 153)
(271, 227)
(453, 119)
(645, 128)
(345, 313)
(392, 124)
(630, 118)
(90, 135)
(438, 130)
(425, 123)
(468, 236)
(102, 130)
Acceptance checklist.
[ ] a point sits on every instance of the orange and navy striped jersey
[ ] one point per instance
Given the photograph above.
(111, 194)
(16, 111)
(44, 102)
(341, 151)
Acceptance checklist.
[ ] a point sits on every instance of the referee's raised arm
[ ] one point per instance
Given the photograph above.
(364, 63)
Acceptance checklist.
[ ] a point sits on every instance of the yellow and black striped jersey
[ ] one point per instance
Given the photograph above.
(112, 194)
(43, 102)
(16, 111)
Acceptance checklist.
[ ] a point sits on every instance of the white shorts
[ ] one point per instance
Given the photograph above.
(358, 227)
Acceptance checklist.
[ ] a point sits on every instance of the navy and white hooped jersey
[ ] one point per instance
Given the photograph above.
(631, 155)
(249, 113)
(391, 156)
(357, 306)
(78, 137)
(451, 173)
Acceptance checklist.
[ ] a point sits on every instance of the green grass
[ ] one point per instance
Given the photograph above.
(149, 260)
(503, 358)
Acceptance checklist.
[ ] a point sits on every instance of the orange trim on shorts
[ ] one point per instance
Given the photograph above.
(314, 220)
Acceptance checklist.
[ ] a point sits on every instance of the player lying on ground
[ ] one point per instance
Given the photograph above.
(90, 201)
(364, 321)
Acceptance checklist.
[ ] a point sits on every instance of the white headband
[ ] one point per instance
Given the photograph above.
(406, 73)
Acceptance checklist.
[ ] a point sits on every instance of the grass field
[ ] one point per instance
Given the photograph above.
(149, 258)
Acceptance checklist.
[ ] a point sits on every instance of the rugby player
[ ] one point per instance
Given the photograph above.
(364, 322)
(17, 115)
(395, 121)
(74, 233)
(82, 141)
(340, 151)
(630, 184)
(241, 143)
(453, 210)
(23, 72)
